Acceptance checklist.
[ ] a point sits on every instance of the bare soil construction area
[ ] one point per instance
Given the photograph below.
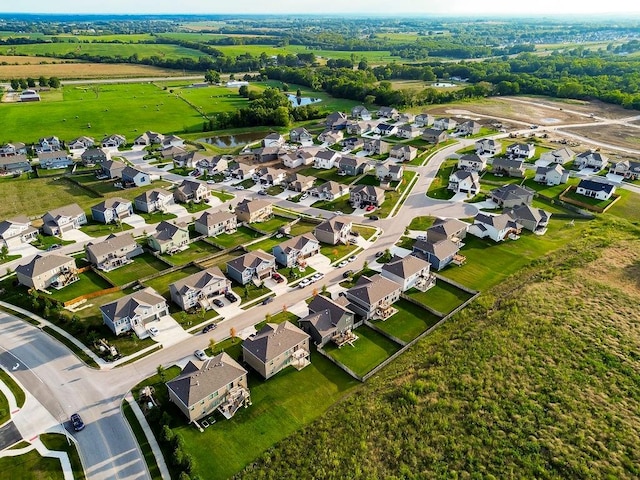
(613, 134)
(81, 70)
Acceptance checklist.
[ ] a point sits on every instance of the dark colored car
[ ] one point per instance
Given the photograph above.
(347, 274)
(218, 303)
(277, 277)
(267, 300)
(374, 217)
(209, 327)
(231, 297)
(77, 422)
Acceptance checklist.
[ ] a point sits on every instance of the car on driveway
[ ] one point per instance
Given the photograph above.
(370, 208)
(239, 187)
(277, 277)
(343, 263)
(218, 303)
(262, 192)
(55, 246)
(338, 212)
(211, 182)
(304, 283)
(200, 355)
(304, 196)
(374, 217)
(153, 331)
(76, 422)
(209, 327)
(231, 297)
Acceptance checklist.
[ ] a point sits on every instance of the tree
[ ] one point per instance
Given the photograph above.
(31, 82)
(267, 317)
(324, 290)
(43, 81)
(161, 373)
(243, 91)
(212, 344)
(233, 333)
(363, 64)
(4, 252)
(54, 82)
(15, 84)
(212, 76)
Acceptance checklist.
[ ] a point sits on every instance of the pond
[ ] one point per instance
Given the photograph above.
(235, 140)
(302, 101)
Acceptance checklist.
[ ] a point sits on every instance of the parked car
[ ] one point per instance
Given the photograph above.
(317, 277)
(153, 331)
(343, 263)
(347, 274)
(76, 422)
(267, 300)
(239, 187)
(379, 254)
(339, 212)
(304, 196)
(370, 208)
(209, 327)
(218, 303)
(422, 238)
(231, 297)
(304, 283)
(211, 182)
(374, 217)
(353, 241)
(352, 258)
(55, 246)
(262, 192)
(277, 277)
(200, 355)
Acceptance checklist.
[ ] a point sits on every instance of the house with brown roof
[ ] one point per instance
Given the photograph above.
(508, 166)
(113, 252)
(168, 237)
(199, 289)
(16, 231)
(495, 227)
(297, 249)
(435, 136)
(63, 219)
(362, 195)
(302, 156)
(191, 191)
(410, 272)
(189, 159)
(331, 137)
(334, 230)
(156, 199)
(217, 384)
(267, 154)
(214, 224)
(252, 211)
(330, 190)
(275, 347)
(328, 321)
(252, 266)
(272, 176)
(533, 219)
(299, 183)
(447, 229)
(373, 296)
(112, 210)
(134, 311)
(111, 169)
(46, 271)
(375, 146)
(242, 171)
(512, 195)
(403, 153)
(213, 165)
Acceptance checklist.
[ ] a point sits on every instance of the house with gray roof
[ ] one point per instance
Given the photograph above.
(410, 272)
(81, 143)
(353, 165)
(521, 150)
(554, 174)
(213, 165)
(95, 156)
(408, 131)
(214, 224)
(444, 124)
(328, 321)
(198, 290)
(191, 191)
(373, 296)
(383, 129)
(52, 160)
(495, 227)
(330, 190)
(11, 149)
(156, 199)
(64, 219)
(132, 177)
(512, 195)
(48, 144)
(336, 121)
(389, 172)
(403, 153)
(470, 127)
(299, 183)
(111, 169)
(471, 162)
(560, 156)
(134, 312)
(591, 159)
(325, 159)
(113, 141)
(14, 164)
(112, 210)
(252, 211)
(362, 195)
(356, 128)
(629, 169)
(217, 384)
(447, 229)
(508, 166)
(300, 135)
(388, 112)
(533, 219)
(464, 181)
(297, 249)
(253, 266)
(275, 347)
(149, 138)
(434, 135)
(424, 120)
(334, 230)
(47, 271)
(168, 237)
(16, 231)
(360, 112)
(439, 253)
(488, 146)
(113, 252)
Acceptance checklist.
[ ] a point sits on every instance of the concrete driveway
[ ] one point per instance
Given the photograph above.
(76, 236)
(177, 210)
(320, 263)
(170, 331)
(24, 250)
(136, 221)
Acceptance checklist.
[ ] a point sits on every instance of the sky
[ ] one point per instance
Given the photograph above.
(362, 7)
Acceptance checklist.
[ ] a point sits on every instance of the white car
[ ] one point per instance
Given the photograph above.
(304, 196)
(317, 276)
(200, 355)
(153, 331)
(352, 258)
(239, 187)
(304, 283)
(343, 263)
(211, 182)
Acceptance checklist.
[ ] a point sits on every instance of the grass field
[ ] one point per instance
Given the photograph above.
(59, 443)
(142, 266)
(266, 245)
(239, 237)
(438, 188)
(196, 251)
(31, 67)
(410, 321)
(5, 414)
(89, 282)
(18, 393)
(272, 225)
(31, 466)
(161, 284)
(442, 297)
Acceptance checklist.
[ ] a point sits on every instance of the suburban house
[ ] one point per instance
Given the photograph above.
(409, 272)
(512, 195)
(434, 135)
(408, 131)
(389, 172)
(561, 156)
(464, 181)
(15, 164)
(330, 190)
(533, 219)
(219, 383)
(94, 156)
(154, 200)
(385, 130)
(172, 152)
(521, 150)
(171, 141)
(439, 253)
(189, 159)
(113, 141)
(472, 162)
(334, 230)
(352, 143)
(336, 121)
(272, 176)
(16, 231)
(168, 237)
(111, 169)
(251, 211)
(267, 154)
(214, 224)
(591, 159)
(325, 159)
(149, 138)
(508, 166)
(300, 135)
(196, 291)
(57, 159)
(81, 143)
(354, 128)
(213, 165)
(360, 112)
(113, 252)
(299, 158)
(297, 249)
(373, 296)
(11, 149)
(424, 120)
(134, 177)
(353, 165)
(328, 321)
(388, 112)
(554, 174)
(191, 191)
(299, 183)
(626, 168)
(331, 137)
(375, 146)
(112, 210)
(403, 153)
(242, 171)
(406, 117)
(488, 146)
(447, 229)
(275, 347)
(44, 271)
(134, 311)
(251, 267)
(363, 195)
(593, 188)
(496, 227)
(48, 144)
(444, 124)
(470, 127)
(63, 219)
(273, 140)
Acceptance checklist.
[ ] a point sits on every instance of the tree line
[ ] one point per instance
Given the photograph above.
(23, 83)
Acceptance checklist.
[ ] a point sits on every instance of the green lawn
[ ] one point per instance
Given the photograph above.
(221, 260)
(31, 466)
(334, 252)
(161, 284)
(222, 196)
(249, 292)
(193, 207)
(370, 350)
(272, 225)
(9, 258)
(393, 196)
(442, 297)
(145, 447)
(239, 237)
(5, 413)
(59, 443)
(438, 188)
(421, 223)
(43, 242)
(275, 190)
(196, 250)
(267, 244)
(406, 242)
(89, 282)
(142, 266)
(340, 204)
(365, 232)
(369, 179)
(409, 322)
(18, 393)
(97, 229)
(327, 174)
(594, 202)
(302, 227)
(156, 217)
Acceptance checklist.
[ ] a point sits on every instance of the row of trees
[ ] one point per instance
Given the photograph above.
(22, 83)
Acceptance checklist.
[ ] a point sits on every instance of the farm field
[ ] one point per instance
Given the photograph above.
(115, 50)
(77, 70)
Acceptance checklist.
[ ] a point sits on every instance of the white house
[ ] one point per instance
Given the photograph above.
(593, 188)
(464, 181)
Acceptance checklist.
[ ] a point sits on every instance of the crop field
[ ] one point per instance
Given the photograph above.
(213, 99)
(80, 70)
(102, 49)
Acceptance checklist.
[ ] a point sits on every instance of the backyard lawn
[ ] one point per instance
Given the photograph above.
(438, 188)
(156, 217)
(442, 297)
(161, 284)
(239, 237)
(409, 322)
(338, 205)
(196, 250)
(142, 266)
(89, 282)
(272, 225)
(97, 229)
(302, 227)
(370, 350)
(327, 175)
(267, 244)
(335, 252)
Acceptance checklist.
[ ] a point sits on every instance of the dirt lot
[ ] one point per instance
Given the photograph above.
(621, 135)
(81, 70)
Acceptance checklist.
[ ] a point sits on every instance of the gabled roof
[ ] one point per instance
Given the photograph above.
(442, 249)
(373, 289)
(165, 231)
(112, 165)
(448, 226)
(596, 186)
(369, 190)
(190, 186)
(250, 260)
(404, 267)
(499, 222)
(594, 156)
(334, 224)
(562, 155)
(72, 210)
(153, 195)
(48, 155)
(333, 187)
(320, 303)
(527, 212)
(126, 306)
(21, 220)
(473, 158)
(297, 243)
(111, 244)
(197, 382)
(42, 264)
(131, 172)
(251, 206)
(111, 203)
(463, 175)
(511, 191)
(209, 219)
(508, 163)
(199, 280)
(273, 340)
(556, 167)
